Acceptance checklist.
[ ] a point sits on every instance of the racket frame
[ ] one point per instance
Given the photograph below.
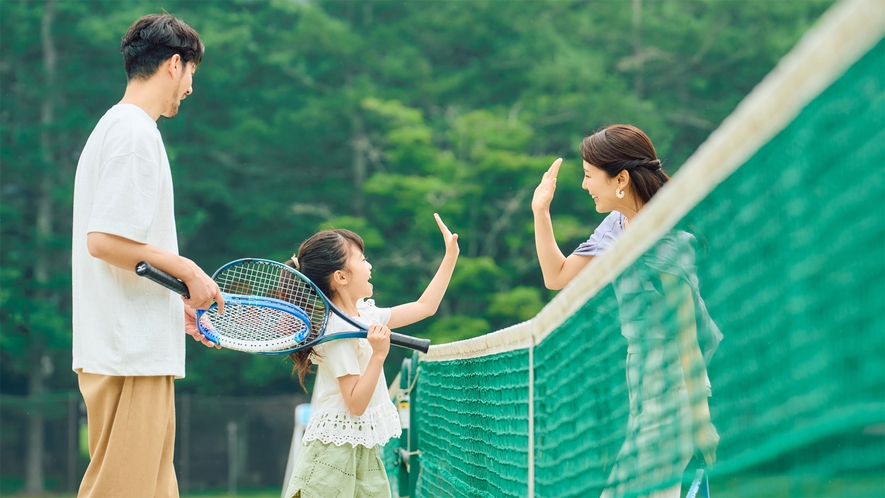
(362, 331)
(160, 277)
(279, 345)
(700, 486)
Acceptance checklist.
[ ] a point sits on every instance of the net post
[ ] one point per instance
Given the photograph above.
(415, 458)
(531, 417)
(403, 401)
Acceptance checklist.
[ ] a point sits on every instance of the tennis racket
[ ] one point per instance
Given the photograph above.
(700, 486)
(269, 308)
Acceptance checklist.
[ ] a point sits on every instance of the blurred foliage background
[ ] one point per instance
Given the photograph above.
(366, 115)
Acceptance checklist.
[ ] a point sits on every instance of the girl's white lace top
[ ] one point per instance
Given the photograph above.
(331, 421)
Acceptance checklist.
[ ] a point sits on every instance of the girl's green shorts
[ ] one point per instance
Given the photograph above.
(328, 471)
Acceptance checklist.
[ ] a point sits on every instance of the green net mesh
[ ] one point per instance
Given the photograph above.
(788, 255)
(580, 399)
(791, 264)
(474, 426)
(798, 279)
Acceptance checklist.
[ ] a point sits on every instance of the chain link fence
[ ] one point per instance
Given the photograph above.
(222, 443)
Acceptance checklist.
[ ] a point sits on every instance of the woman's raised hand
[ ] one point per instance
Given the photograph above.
(545, 190)
(450, 238)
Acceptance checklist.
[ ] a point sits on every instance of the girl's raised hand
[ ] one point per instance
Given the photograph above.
(379, 339)
(428, 303)
(450, 238)
(545, 190)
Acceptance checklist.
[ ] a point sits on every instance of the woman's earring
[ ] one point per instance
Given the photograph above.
(620, 193)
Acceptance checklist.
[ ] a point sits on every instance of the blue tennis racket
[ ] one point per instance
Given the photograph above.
(700, 486)
(269, 308)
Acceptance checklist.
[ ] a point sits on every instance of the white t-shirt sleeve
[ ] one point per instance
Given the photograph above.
(126, 197)
(373, 314)
(339, 356)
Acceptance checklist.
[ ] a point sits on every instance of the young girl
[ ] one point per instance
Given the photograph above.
(352, 413)
(666, 372)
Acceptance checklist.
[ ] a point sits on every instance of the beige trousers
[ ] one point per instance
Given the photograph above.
(131, 424)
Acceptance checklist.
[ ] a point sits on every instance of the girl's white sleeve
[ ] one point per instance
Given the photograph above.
(339, 356)
(372, 313)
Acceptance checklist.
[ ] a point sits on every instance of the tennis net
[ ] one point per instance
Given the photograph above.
(785, 205)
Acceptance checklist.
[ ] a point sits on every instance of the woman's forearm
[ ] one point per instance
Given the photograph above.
(694, 369)
(695, 373)
(550, 257)
(557, 269)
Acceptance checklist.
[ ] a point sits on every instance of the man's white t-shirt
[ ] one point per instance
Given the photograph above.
(330, 421)
(124, 324)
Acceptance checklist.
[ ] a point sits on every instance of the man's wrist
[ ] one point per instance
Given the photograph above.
(190, 269)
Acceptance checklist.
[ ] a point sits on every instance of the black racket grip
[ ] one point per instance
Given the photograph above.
(144, 269)
(407, 341)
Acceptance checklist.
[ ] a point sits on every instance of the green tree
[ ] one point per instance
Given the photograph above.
(364, 115)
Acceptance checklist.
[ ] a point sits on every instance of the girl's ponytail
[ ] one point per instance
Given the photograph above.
(300, 359)
(317, 259)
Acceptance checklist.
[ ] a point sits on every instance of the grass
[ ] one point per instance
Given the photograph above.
(774, 486)
(248, 493)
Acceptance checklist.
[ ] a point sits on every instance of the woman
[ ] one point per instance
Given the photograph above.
(666, 370)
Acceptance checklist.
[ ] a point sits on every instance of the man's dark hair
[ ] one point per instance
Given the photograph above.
(155, 38)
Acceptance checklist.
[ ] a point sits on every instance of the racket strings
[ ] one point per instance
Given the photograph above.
(249, 326)
(259, 278)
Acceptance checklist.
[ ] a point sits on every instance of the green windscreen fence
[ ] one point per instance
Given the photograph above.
(606, 390)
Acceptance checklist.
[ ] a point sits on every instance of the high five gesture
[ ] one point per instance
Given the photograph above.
(545, 190)
(428, 303)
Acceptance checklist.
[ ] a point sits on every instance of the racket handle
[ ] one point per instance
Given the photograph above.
(407, 341)
(144, 269)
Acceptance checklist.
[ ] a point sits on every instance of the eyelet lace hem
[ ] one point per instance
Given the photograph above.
(375, 427)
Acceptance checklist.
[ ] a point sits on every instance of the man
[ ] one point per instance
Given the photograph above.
(128, 340)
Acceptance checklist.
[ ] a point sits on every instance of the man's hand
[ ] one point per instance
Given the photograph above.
(203, 290)
(190, 327)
